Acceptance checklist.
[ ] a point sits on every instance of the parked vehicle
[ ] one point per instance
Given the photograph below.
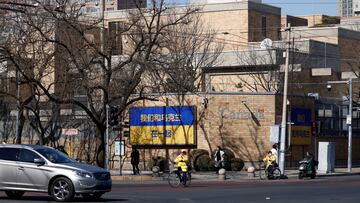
(33, 168)
(307, 167)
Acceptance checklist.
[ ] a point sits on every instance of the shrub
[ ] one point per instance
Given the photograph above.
(202, 163)
(197, 153)
(237, 164)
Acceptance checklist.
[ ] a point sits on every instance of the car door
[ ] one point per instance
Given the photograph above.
(32, 176)
(8, 167)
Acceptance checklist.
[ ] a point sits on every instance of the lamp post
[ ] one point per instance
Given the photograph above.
(348, 120)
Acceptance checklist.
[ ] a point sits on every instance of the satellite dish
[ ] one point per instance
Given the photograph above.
(266, 43)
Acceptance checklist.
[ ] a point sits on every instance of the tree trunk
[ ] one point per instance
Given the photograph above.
(21, 126)
(100, 151)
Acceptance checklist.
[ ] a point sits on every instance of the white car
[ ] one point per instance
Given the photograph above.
(33, 168)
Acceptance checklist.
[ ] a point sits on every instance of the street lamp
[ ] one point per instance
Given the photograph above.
(348, 118)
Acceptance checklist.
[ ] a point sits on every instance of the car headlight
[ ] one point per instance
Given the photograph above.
(83, 174)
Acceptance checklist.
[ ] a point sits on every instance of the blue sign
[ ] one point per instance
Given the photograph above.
(167, 125)
(301, 116)
(162, 116)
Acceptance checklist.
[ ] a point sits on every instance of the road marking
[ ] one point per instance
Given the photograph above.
(185, 200)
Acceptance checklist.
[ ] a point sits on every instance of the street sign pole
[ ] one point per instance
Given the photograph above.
(121, 136)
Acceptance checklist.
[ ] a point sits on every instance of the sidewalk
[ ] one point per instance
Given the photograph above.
(212, 176)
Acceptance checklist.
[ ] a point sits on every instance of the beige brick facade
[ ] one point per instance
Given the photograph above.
(239, 122)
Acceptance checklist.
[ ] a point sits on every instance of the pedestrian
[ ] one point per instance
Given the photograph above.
(274, 150)
(135, 159)
(219, 159)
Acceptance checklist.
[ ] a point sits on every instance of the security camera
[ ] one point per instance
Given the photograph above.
(328, 87)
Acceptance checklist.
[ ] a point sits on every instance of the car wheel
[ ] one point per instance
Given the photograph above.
(14, 194)
(62, 189)
(95, 195)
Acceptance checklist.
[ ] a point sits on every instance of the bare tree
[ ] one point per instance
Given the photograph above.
(66, 56)
(261, 70)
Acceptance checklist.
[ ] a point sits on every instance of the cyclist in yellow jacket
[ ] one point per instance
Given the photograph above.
(182, 161)
(270, 162)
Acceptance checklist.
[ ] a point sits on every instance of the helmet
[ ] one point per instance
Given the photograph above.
(183, 151)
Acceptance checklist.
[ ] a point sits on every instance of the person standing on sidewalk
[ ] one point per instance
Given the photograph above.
(219, 159)
(135, 159)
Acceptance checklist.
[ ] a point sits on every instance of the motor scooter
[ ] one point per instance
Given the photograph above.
(307, 168)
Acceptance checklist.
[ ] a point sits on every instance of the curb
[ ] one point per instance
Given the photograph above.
(210, 177)
(338, 174)
(135, 178)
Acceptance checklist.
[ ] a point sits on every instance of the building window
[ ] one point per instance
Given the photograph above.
(91, 10)
(115, 37)
(264, 26)
(332, 118)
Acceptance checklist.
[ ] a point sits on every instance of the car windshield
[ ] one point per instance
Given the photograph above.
(54, 156)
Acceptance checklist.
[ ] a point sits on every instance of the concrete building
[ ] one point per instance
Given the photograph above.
(233, 105)
(316, 59)
(237, 22)
(348, 8)
(93, 6)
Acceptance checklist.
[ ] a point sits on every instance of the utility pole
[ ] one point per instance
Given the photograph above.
(283, 118)
(107, 138)
(350, 126)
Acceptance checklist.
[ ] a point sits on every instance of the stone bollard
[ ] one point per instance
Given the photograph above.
(222, 174)
(155, 171)
(251, 172)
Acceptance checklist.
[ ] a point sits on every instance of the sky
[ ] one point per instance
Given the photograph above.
(305, 7)
(297, 7)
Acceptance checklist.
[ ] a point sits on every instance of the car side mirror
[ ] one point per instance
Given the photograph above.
(39, 161)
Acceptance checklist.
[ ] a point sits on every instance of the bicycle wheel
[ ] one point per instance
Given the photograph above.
(263, 172)
(276, 173)
(188, 179)
(173, 179)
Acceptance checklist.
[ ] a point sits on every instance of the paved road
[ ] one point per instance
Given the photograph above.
(329, 189)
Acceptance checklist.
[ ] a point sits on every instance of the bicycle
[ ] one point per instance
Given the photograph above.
(177, 177)
(264, 172)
